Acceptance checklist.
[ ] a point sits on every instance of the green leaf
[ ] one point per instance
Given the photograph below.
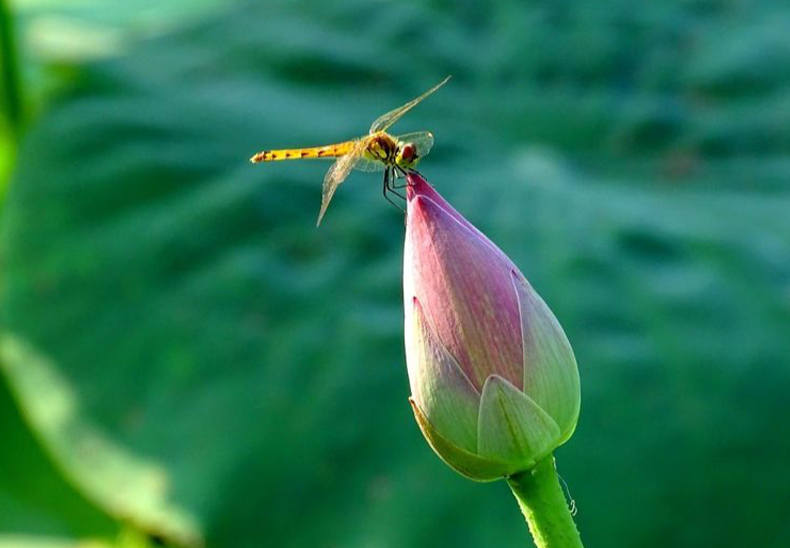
(57, 417)
(14, 541)
(36, 501)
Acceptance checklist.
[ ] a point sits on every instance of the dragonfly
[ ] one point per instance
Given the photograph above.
(376, 151)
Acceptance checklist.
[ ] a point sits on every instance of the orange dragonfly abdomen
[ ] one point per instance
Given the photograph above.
(328, 151)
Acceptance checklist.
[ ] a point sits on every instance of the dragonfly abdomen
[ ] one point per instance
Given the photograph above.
(328, 151)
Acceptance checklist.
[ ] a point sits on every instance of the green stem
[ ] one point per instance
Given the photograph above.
(541, 500)
(9, 77)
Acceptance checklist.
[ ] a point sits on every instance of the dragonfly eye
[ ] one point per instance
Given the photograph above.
(408, 152)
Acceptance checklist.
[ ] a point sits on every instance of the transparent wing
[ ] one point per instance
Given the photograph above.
(393, 116)
(369, 164)
(423, 140)
(338, 173)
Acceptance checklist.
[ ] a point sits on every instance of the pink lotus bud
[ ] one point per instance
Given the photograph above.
(494, 382)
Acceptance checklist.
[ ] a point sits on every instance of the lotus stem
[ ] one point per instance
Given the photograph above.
(543, 504)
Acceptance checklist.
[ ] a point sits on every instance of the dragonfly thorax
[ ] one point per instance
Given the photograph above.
(383, 147)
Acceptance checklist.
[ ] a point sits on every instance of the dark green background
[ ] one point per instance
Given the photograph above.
(186, 357)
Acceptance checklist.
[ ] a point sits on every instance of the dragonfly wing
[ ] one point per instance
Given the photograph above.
(385, 121)
(422, 140)
(338, 173)
(369, 165)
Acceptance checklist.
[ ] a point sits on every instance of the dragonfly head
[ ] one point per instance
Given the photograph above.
(407, 156)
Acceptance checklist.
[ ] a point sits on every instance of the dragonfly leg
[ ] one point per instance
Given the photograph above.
(387, 187)
(392, 186)
(402, 173)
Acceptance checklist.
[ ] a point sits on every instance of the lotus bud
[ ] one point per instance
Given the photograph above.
(494, 383)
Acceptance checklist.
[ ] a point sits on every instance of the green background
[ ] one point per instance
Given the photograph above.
(186, 359)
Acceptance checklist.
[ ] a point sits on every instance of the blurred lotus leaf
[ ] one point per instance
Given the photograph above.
(204, 364)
